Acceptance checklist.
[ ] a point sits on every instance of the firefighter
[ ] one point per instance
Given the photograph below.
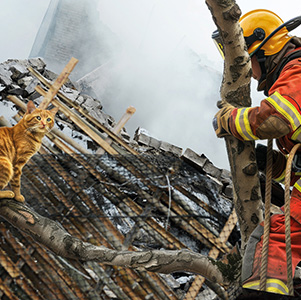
(276, 65)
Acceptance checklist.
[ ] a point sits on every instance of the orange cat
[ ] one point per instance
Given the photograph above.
(19, 143)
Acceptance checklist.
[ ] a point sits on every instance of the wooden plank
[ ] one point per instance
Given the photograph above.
(127, 115)
(84, 113)
(70, 286)
(80, 123)
(69, 140)
(26, 255)
(58, 286)
(17, 275)
(82, 228)
(4, 122)
(213, 253)
(17, 101)
(166, 289)
(106, 224)
(58, 83)
(6, 290)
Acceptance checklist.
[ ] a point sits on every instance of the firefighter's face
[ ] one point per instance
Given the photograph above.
(255, 68)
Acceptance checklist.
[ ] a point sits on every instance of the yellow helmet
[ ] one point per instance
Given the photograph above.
(259, 24)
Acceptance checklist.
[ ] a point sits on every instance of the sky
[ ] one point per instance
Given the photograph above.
(157, 32)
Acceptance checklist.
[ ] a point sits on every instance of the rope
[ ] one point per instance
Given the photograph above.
(287, 214)
(267, 220)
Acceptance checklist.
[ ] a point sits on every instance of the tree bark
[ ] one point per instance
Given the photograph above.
(53, 236)
(235, 89)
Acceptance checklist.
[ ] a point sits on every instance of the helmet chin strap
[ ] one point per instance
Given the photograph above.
(261, 60)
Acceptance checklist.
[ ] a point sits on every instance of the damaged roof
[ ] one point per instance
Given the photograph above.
(108, 189)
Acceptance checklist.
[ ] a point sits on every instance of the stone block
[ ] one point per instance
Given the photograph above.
(37, 63)
(90, 104)
(79, 100)
(125, 135)
(28, 83)
(2, 87)
(5, 76)
(99, 116)
(194, 159)
(176, 150)
(142, 139)
(70, 93)
(18, 71)
(154, 143)
(228, 191)
(35, 95)
(226, 174)
(25, 81)
(30, 88)
(212, 170)
(16, 90)
(167, 147)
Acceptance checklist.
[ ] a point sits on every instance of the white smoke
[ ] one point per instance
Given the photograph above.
(156, 73)
(167, 73)
(163, 71)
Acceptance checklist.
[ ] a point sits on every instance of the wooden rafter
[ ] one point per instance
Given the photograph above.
(58, 83)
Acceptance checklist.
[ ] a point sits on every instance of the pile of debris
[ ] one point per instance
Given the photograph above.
(111, 190)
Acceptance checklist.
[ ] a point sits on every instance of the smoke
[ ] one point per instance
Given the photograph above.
(164, 63)
(20, 21)
(162, 69)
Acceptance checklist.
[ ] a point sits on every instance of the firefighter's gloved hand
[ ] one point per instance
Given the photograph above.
(220, 120)
(261, 156)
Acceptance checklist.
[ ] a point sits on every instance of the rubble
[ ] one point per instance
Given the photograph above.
(142, 138)
(201, 193)
(16, 79)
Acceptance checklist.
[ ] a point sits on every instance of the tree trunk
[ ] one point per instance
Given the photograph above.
(235, 89)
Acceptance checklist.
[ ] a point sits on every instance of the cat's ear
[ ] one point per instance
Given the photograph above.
(54, 110)
(30, 107)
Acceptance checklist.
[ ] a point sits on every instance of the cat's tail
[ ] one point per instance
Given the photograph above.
(6, 172)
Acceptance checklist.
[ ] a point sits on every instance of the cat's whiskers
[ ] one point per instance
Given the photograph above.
(36, 128)
(30, 129)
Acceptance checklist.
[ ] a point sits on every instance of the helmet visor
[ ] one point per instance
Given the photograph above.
(218, 42)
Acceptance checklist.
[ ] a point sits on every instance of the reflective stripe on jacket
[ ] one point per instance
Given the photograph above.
(278, 116)
(283, 104)
(272, 285)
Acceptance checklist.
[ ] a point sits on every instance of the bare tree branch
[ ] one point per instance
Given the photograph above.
(53, 236)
